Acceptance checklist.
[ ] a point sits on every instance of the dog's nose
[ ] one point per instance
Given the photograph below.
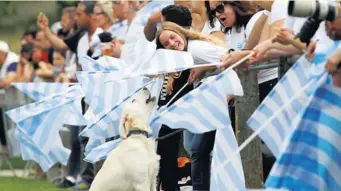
(151, 99)
(145, 89)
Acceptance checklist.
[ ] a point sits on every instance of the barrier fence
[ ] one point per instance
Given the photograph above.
(251, 156)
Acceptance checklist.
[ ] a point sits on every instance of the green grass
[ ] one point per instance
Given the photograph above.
(17, 163)
(20, 184)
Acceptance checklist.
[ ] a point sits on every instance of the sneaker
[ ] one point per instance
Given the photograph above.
(66, 184)
(81, 186)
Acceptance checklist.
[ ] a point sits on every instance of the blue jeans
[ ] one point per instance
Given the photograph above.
(188, 139)
(202, 146)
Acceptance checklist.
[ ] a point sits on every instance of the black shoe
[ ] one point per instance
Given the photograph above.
(66, 184)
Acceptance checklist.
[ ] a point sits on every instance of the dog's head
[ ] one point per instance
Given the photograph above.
(136, 113)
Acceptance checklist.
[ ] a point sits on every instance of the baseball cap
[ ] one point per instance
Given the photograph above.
(4, 47)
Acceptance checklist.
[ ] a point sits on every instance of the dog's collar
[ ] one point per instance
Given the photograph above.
(138, 132)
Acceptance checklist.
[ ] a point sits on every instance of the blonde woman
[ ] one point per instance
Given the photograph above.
(204, 49)
(104, 14)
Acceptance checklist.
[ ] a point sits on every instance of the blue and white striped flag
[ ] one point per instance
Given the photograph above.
(30, 151)
(282, 105)
(88, 80)
(311, 158)
(137, 25)
(136, 52)
(231, 176)
(149, 9)
(101, 152)
(273, 117)
(39, 91)
(164, 61)
(196, 111)
(104, 63)
(39, 123)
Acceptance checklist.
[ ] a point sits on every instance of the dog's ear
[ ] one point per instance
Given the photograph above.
(124, 130)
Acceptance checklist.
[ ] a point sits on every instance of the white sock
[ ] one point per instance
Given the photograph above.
(71, 179)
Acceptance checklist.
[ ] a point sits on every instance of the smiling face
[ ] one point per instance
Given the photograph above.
(224, 12)
(171, 40)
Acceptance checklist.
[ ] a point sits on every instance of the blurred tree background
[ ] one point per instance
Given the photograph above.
(18, 16)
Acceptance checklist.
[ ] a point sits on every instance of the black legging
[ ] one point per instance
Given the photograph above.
(168, 150)
(2, 131)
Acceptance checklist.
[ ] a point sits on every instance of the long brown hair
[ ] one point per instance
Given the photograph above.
(185, 34)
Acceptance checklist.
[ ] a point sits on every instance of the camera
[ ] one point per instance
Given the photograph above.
(317, 11)
(310, 8)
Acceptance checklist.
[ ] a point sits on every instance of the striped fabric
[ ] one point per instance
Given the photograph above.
(38, 126)
(105, 123)
(136, 27)
(282, 105)
(149, 9)
(231, 176)
(100, 153)
(273, 117)
(311, 158)
(164, 61)
(108, 94)
(39, 91)
(104, 63)
(196, 112)
(136, 52)
(108, 127)
(31, 151)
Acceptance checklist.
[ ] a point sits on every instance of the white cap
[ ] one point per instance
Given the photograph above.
(4, 47)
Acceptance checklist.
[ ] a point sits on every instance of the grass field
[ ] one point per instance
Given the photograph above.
(20, 184)
(17, 163)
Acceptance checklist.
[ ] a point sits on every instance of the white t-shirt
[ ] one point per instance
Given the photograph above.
(279, 10)
(11, 61)
(205, 52)
(84, 44)
(236, 40)
(207, 29)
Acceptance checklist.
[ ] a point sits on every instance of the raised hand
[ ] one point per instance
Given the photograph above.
(42, 21)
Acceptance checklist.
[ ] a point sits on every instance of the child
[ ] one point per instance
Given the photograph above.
(56, 70)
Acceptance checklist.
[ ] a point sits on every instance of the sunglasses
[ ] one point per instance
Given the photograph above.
(219, 9)
(98, 14)
(116, 2)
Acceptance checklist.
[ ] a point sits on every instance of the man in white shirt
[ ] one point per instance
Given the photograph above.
(79, 41)
(8, 64)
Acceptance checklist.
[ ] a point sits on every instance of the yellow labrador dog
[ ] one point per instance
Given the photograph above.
(134, 164)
